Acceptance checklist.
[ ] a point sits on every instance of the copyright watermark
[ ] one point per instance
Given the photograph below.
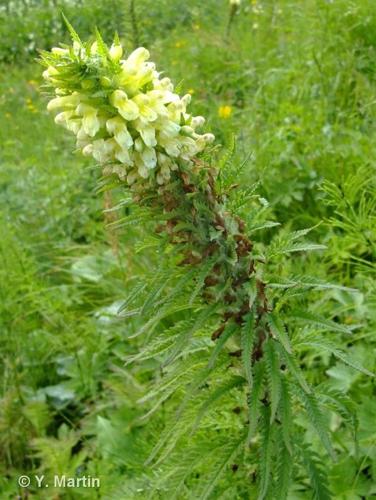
(59, 481)
(24, 481)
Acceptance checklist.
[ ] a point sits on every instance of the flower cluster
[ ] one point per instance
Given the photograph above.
(122, 112)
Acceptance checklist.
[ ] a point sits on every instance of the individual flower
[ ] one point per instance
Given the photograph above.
(122, 112)
(225, 111)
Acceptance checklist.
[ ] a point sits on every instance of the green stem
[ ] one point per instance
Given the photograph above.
(135, 32)
(231, 17)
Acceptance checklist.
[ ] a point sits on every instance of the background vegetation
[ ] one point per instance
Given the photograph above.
(295, 82)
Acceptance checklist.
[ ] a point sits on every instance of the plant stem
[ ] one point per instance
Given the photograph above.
(197, 222)
(135, 32)
(233, 10)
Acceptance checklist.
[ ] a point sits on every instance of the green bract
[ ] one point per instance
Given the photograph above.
(121, 112)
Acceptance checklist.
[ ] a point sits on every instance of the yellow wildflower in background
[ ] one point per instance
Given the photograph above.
(30, 105)
(225, 111)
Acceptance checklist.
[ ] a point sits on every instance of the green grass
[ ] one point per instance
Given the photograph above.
(300, 79)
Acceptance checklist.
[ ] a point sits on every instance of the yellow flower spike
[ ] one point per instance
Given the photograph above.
(225, 111)
(124, 114)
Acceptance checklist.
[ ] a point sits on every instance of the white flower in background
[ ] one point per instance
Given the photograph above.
(123, 114)
(235, 2)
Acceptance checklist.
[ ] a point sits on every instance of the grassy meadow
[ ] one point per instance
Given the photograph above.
(290, 85)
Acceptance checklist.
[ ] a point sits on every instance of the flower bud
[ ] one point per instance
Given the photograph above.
(116, 52)
(138, 56)
(88, 150)
(197, 121)
(59, 51)
(209, 138)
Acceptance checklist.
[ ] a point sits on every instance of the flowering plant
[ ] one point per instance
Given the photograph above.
(131, 121)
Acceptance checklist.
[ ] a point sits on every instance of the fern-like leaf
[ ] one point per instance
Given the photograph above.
(254, 399)
(283, 469)
(266, 453)
(323, 344)
(247, 340)
(320, 321)
(230, 329)
(205, 315)
(221, 391)
(316, 472)
(279, 332)
(200, 278)
(294, 369)
(230, 452)
(316, 418)
(286, 414)
(273, 376)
